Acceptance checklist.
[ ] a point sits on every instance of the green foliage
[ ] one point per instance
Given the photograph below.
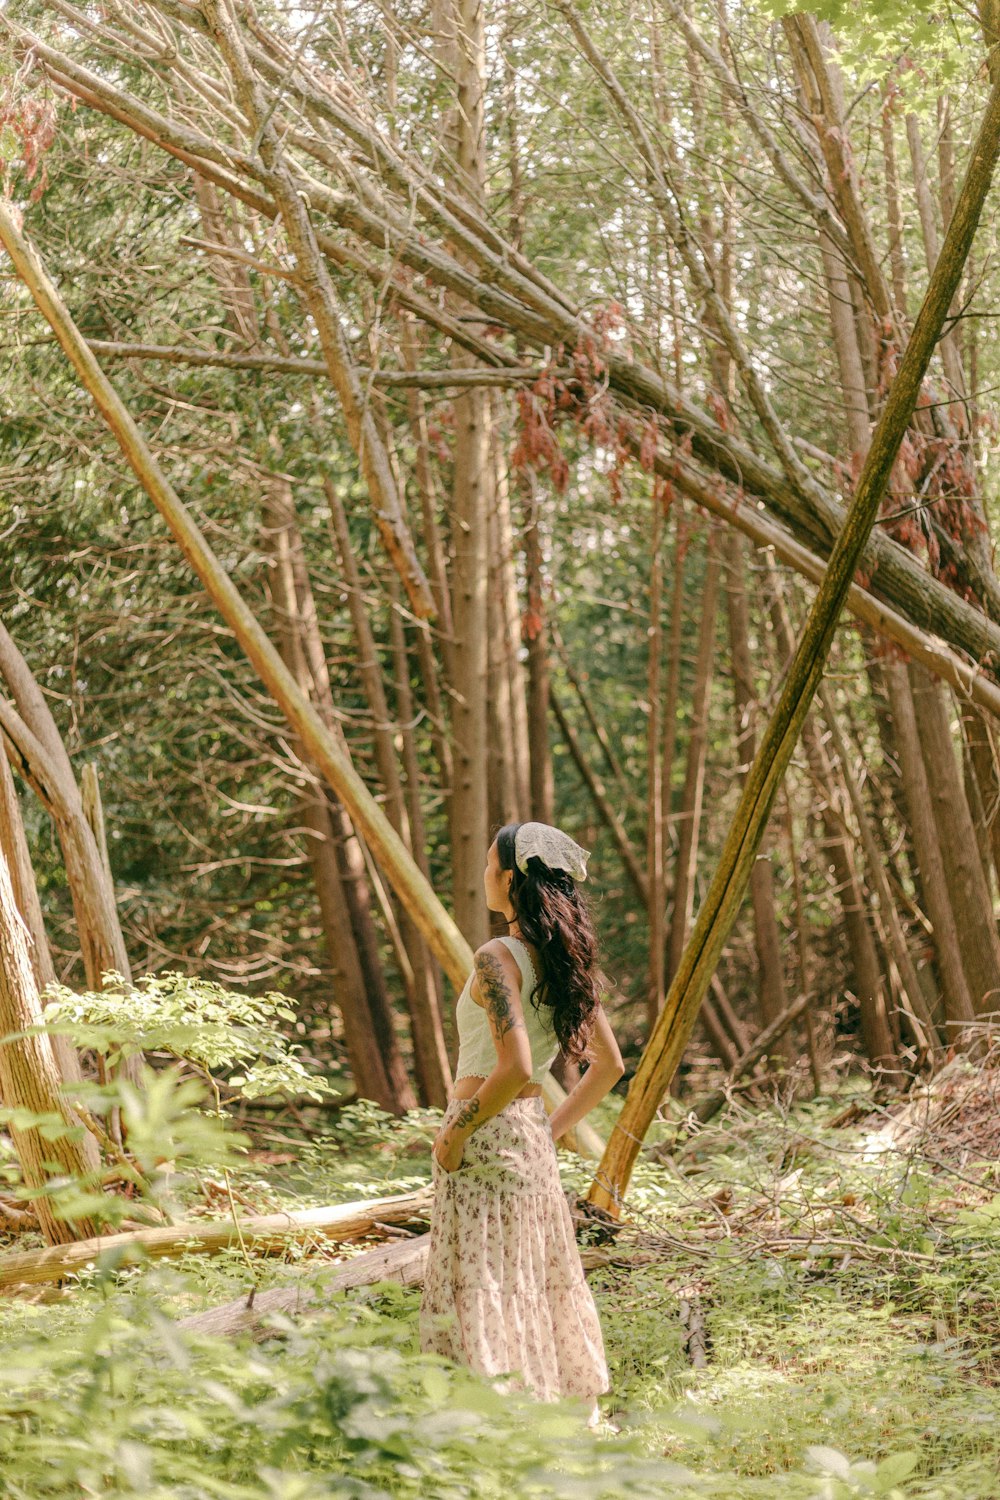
(174, 1124)
(825, 1380)
(869, 35)
(191, 1018)
(172, 1128)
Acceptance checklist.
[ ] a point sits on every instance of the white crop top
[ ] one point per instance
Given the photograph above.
(477, 1053)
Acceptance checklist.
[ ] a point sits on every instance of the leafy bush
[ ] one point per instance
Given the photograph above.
(173, 1123)
(192, 1019)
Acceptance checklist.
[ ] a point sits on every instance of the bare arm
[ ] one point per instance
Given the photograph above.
(497, 987)
(604, 1071)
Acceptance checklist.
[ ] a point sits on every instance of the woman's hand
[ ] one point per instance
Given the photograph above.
(448, 1150)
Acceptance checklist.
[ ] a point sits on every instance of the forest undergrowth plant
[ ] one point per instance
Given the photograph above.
(831, 1373)
(176, 1122)
(849, 1297)
(195, 1020)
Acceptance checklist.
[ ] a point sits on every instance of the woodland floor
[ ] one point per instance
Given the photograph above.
(840, 1267)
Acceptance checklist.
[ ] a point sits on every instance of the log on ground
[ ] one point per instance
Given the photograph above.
(262, 1234)
(403, 1261)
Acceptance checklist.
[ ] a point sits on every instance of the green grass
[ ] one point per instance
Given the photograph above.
(851, 1307)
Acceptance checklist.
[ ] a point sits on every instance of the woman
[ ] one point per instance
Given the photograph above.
(504, 1289)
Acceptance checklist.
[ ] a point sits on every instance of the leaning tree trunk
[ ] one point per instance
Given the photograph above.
(440, 929)
(14, 847)
(37, 751)
(29, 1076)
(324, 751)
(723, 900)
(32, 741)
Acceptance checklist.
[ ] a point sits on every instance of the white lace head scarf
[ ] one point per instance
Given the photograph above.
(553, 847)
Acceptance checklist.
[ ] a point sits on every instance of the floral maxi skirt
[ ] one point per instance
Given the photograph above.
(504, 1288)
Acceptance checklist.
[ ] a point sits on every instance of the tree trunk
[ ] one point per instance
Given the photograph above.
(982, 750)
(501, 797)
(29, 1075)
(515, 731)
(921, 1022)
(869, 984)
(534, 629)
(958, 1006)
(463, 54)
(14, 847)
(655, 821)
(979, 944)
(773, 999)
(36, 750)
(430, 1056)
(378, 1071)
(689, 815)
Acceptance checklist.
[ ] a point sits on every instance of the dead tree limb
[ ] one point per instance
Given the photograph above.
(402, 1261)
(263, 1233)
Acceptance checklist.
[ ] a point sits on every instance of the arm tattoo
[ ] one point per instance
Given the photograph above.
(496, 996)
(467, 1114)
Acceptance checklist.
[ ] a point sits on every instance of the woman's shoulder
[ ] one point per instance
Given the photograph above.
(528, 960)
(495, 950)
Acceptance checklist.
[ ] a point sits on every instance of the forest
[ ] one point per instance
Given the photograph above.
(418, 418)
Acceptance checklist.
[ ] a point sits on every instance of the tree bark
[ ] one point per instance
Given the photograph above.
(958, 1006)
(773, 999)
(534, 631)
(29, 1076)
(655, 818)
(978, 942)
(689, 814)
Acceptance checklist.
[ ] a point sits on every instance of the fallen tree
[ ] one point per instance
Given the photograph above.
(403, 1261)
(263, 1233)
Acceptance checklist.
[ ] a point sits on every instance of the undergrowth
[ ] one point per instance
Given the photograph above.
(848, 1302)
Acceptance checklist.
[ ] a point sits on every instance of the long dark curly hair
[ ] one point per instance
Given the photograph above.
(553, 914)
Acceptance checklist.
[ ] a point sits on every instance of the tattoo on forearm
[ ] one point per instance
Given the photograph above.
(467, 1114)
(496, 996)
